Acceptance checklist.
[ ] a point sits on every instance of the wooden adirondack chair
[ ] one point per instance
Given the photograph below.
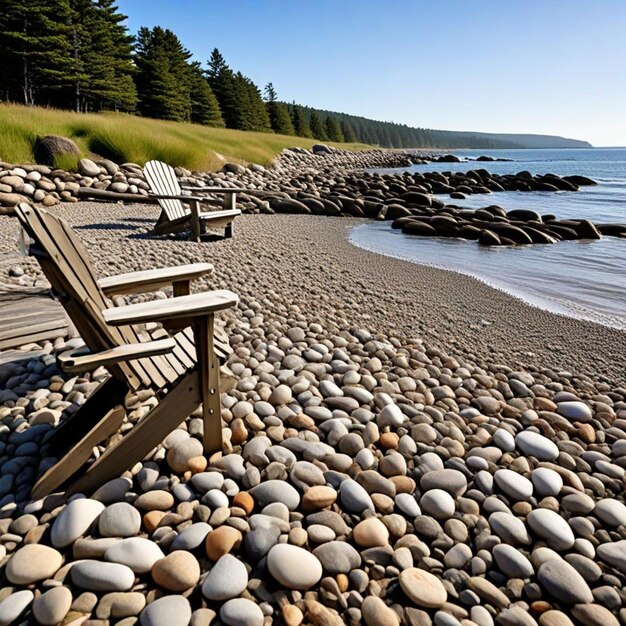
(181, 368)
(175, 216)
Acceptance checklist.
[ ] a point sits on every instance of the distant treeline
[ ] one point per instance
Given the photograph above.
(79, 55)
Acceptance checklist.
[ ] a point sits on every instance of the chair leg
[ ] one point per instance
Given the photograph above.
(208, 366)
(78, 454)
(228, 231)
(76, 426)
(175, 407)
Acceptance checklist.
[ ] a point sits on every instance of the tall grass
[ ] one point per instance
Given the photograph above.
(122, 138)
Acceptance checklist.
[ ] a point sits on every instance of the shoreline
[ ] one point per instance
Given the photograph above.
(542, 303)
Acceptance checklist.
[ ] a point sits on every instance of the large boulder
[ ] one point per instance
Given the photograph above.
(50, 147)
(320, 148)
(234, 168)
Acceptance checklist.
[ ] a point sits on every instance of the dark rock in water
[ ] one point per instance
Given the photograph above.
(494, 209)
(513, 233)
(538, 236)
(581, 181)
(483, 214)
(548, 217)
(559, 183)
(586, 230)
(457, 195)
(524, 174)
(320, 148)
(413, 227)
(444, 225)
(50, 147)
(538, 185)
(414, 197)
(612, 230)
(524, 215)
(489, 238)
(397, 210)
(448, 158)
(401, 221)
(568, 234)
(469, 232)
(485, 158)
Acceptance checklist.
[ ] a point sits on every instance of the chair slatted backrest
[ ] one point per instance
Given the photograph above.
(162, 180)
(66, 264)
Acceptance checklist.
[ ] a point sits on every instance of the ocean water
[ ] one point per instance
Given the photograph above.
(585, 279)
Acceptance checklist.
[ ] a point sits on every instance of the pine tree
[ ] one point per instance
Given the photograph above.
(163, 76)
(121, 95)
(300, 122)
(222, 81)
(36, 62)
(278, 113)
(318, 129)
(332, 128)
(204, 106)
(349, 135)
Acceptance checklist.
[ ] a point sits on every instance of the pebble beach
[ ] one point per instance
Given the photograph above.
(404, 445)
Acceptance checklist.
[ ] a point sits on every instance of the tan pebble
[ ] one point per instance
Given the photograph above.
(383, 503)
(177, 572)
(52, 606)
(423, 588)
(555, 618)
(292, 615)
(298, 536)
(157, 500)
(85, 603)
(239, 432)
(370, 533)
(521, 509)
(342, 582)
(221, 541)
(32, 563)
(318, 497)
(594, 615)
(540, 606)
(389, 441)
(377, 613)
(151, 520)
(319, 615)
(404, 484)
(244, 500)
(586, 432)
(197, 464)
(120, 604)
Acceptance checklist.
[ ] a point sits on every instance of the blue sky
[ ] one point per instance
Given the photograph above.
(544, 66)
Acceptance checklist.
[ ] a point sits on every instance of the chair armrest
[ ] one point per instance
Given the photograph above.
(181, 197)
(217, 189)
(81, 360)
(194, 305)
(149, 280)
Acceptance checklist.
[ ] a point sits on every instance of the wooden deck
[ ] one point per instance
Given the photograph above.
(29, 315)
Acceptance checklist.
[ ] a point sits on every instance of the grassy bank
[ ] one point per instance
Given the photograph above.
(123, 138)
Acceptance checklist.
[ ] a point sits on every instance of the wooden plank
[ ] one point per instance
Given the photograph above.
(175, 407)
(149, 280)
(77, 455)
(208, 370)
(194, 305)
